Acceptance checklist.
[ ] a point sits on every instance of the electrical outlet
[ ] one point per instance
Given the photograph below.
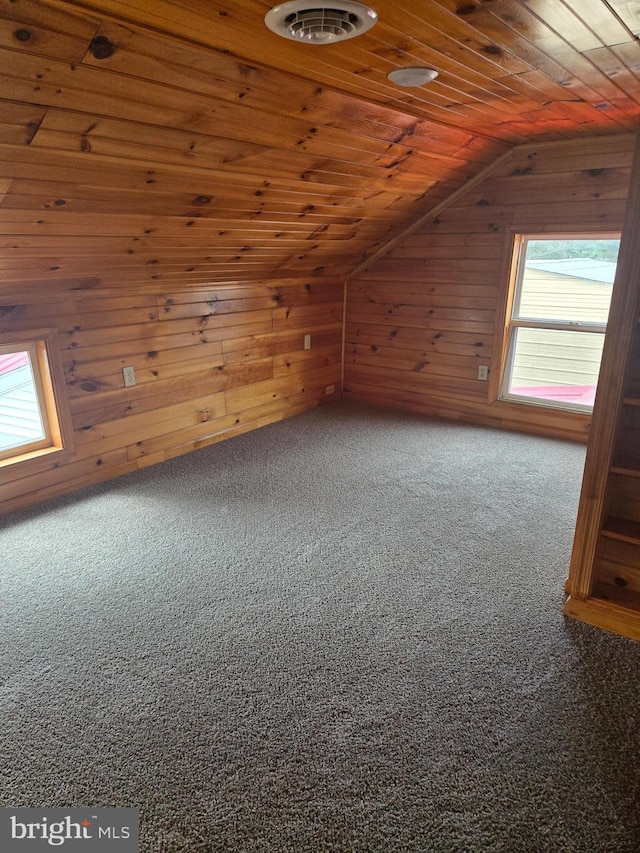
(307, 341)
(330, 389)
(483, 372)
(129, 375)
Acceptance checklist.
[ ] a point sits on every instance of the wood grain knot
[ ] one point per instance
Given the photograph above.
(101, 48)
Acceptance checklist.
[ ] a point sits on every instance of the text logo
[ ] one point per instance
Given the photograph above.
(71, 830)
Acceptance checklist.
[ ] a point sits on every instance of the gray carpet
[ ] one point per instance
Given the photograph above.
(342, 632)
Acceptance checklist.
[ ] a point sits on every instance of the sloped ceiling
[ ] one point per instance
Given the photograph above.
(164, 144)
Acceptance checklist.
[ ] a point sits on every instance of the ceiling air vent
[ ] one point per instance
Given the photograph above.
(304, 22)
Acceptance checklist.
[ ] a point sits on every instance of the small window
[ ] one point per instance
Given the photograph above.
(558, 319)
(30, 421)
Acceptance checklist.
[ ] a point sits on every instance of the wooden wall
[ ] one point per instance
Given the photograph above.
(424, 316)
(216, 360)
(210, 362)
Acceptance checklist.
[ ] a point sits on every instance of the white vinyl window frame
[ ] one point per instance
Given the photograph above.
(516, 321)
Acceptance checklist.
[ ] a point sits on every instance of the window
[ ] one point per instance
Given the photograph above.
(557, 320)
(31, 420)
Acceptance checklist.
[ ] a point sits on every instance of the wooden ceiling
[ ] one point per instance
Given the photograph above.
(166, 143)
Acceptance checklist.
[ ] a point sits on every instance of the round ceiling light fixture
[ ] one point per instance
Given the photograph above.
(412, 76)
(305, 22)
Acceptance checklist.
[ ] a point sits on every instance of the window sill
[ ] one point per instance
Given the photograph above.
(548, 405)
(542, 420)
(36, 460)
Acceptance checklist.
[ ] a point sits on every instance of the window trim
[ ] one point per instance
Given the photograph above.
(37, 363)
(50, 384)
(515, 250)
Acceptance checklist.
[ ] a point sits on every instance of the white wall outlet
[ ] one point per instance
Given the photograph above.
(330, 389)
(307, 341)
(129, 375)
(483, 372)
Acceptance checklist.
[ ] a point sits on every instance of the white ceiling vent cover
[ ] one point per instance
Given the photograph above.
(303, 21)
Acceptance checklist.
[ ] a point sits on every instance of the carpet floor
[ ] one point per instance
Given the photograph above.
(340, 633)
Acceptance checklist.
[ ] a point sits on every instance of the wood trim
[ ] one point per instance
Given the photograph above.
(622, 320)
(503, 312)
(606, 615)
(55, 395)
(345, 294)
(59, 427)
(431, 214)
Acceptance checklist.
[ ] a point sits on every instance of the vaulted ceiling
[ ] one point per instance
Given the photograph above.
(174, 142)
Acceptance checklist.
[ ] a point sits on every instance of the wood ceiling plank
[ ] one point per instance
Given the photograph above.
(308, 100)
(194, 16)
(260, 160)
(224, 152)
(199, 71)
(236, 119)
(200, 254)
(211, 64)
(19, 122)
(628, 12)
(251, 44)
(177, 160)
(340, 135)
(33, 241)
(577, 117)
(601, 18)
(542, 21)
(518, 84)
(512, 27)
(78, 168)
(97, 92)
(4, 188)
(265, 164)
(69, 223)
(458, 82)
(450, 39)
(132, 272)
(44, 42)
(554, 89)
(622, 66)
(56, 18)
(325, 173)
(153, 205)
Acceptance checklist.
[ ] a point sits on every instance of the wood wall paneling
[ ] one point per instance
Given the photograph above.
(422, 318)
(210, 363)
(182, 191)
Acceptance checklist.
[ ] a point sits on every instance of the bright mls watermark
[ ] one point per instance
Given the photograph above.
(78, 829)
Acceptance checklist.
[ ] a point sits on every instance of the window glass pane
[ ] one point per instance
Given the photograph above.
(20, 418)
(556, 366)
(567, 280)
